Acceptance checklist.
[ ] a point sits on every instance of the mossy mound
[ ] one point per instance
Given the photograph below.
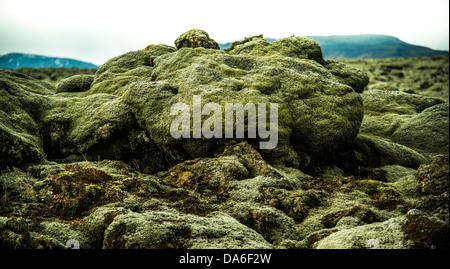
(417, 121)
(114, 75)
(427, 131)
(100, 166)
(123, 112)
(196, 38)
(76, 83)
(319, 107)
(217, 203)
(23, 101)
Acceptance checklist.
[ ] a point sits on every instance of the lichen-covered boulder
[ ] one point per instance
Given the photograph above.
(434, 177)
(115, 75)
(153, 230)
(102, 167)
(233, 200)
(126, 113)
(76, 83)
(318, 113)
(417, 121)
(389, 153)
(196, 38)
(411, 231)
(428, 131)
(23, 100)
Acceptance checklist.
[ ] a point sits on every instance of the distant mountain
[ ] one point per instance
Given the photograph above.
(370, 46)
(365, 46)
(19, 60)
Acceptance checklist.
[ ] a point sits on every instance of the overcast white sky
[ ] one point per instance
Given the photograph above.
(97, 30)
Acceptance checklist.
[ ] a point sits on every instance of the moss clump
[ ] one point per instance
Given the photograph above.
(127, 107)
(206, 174)
(389, 235)
(85, 174)
(298, 47)
(78, 189)
(375, 188)
(427, 131)
(311, 99)
(417, 121)
(195, 38)
(23, 101)
(434, 177)
(172, 229)
(76, 83)
(363, 213)
(296, 204)
(117, 73)
(340, 184)
(385, 195)
(271, 223)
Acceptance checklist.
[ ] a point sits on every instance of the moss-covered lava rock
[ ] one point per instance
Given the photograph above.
(94, 159)
(76, 83)
(196, 38)
(319, 108)
(125, 112)
(23, 100)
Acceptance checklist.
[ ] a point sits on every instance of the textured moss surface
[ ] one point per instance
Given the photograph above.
(128, 102)
(94, 160)
(76, 83)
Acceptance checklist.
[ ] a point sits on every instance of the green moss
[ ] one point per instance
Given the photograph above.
(195, 38)
(377, 189)
(171, 229)
(390, 153)
(257, 46)
(23, 100)
(114, 76)
(389, 235)
(208, 72)
(76, 83)
(78, 189)
(388, 113)
(52, 75)
(297, 204)
(319, 111)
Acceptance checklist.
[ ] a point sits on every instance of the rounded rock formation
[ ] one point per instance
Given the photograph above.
(76, 83)
(195, 38)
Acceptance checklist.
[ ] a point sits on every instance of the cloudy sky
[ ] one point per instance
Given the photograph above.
(96, 30)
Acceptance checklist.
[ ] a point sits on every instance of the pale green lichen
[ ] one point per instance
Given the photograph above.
(175, 230)
(388, 235)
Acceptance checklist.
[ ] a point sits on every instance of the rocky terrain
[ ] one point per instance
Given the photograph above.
(54, 75)
(361, 160)
(418, 75)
